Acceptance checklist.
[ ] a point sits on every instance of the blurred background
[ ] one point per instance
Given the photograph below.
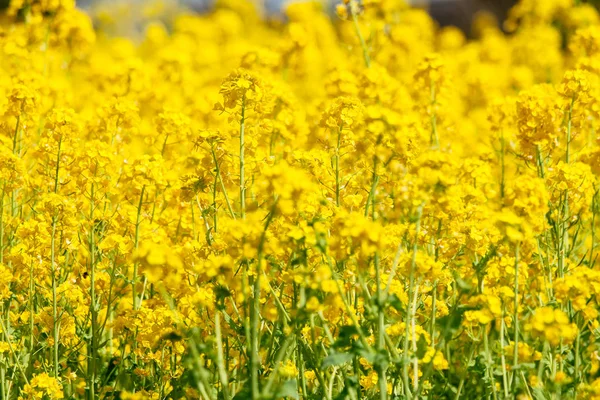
(446, 12)
(459, 13)
(125, 17)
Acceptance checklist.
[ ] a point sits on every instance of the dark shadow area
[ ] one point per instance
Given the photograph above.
(460, 13)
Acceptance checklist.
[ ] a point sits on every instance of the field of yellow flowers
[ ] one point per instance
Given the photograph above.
(361, 206)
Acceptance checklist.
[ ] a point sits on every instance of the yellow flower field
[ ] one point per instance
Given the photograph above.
(348, 205)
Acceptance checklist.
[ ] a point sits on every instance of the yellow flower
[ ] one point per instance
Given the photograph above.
(288, 369)
(42, 386)
(552, 325)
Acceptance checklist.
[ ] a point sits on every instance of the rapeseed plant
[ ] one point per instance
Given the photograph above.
(359, 206)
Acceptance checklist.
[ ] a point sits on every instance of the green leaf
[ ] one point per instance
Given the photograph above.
(336, 359)
(345, 336)
(288, 389)
(395, 302)
(350, 386)
(463, 285)
(538, 394)
(244, 393)
(421, 347)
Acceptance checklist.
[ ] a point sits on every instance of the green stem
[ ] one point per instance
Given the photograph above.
(516, 317)
(502, 165)
(540, 161)
(31, 311)
(577, 360)
(93, 305)
(278, 359)
(414, 340)
(220, 361)
(371, 197)
(435, 142)
(489, 362)
(12, 351)
(55, 322)
(337, 167)
(300, 364)
(164, 146)
(16, 135)
(218, 172)
(461, 384)
(206, 225)
(361, 39)
(2, 224)
(349, 311)
(409, 317)
(564, 245)
(569, 128)
(433, 312)
(593, 229)
(54, 296)
(242, 163)
(503, 357)
(381, 368)
(3, 381)
(136, 245)
(255, 311)
(214, 205)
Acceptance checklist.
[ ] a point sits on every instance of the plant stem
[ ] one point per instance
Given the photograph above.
(55, 322)
(136, 245)
(502, 356)
(569, 128)
(371, 197)
(489, 361)
(12, 351)
(218, 172)
(502, 166)
(93, 304)
(409, 316)
(337, 166)
(381, 368)
(540, 161)
(16, 135)
(577, 360)
(220, 361)
(255, 311)
(242, 165)
(435, 142)
(414, 340)
(593, 229)
(516, 317)
(361, 39)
